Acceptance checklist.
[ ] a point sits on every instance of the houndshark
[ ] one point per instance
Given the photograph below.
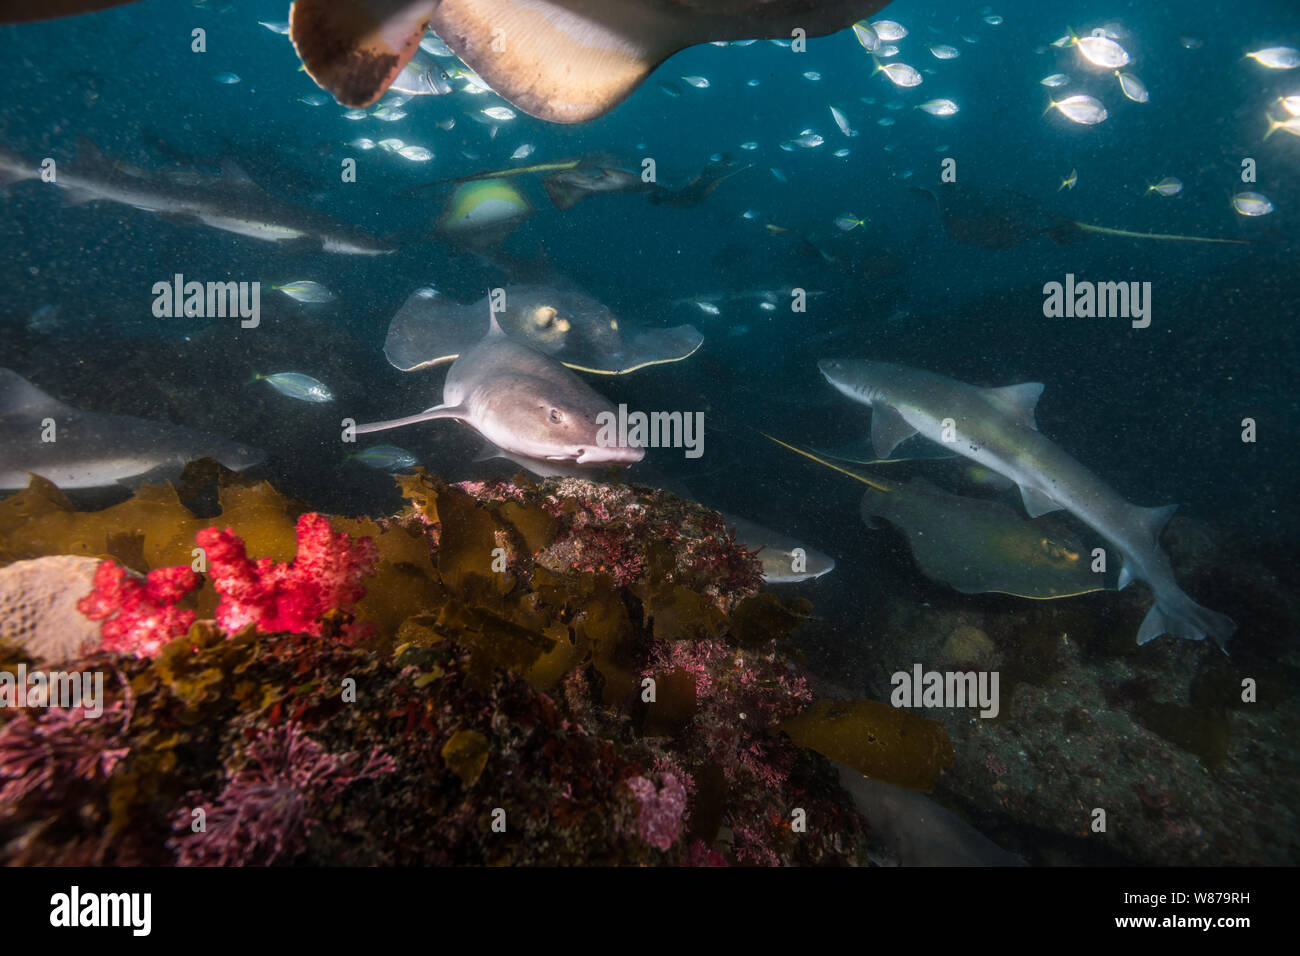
(524, 403)
(231, 202)
(996, 428)
(80, 449)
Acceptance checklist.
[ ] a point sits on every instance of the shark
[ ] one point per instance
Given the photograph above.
(231, 202)
(524, 403)
(78, 449)
(996, 428)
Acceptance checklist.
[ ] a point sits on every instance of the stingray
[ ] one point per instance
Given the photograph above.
(976, 545)
(563, 61)
(559, 321)
(1004, 218)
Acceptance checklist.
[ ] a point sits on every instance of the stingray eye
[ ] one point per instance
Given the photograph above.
(544, 316)
(556, 415)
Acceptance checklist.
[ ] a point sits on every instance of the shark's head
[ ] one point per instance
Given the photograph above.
(561, 424)
(852, 377)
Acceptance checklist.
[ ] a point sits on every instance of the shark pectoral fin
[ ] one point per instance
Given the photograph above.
(356, 48)
(888, 429)
(488, 451)
(428, 415)
(1037, 503)
(1019, 400)
(1125, 577)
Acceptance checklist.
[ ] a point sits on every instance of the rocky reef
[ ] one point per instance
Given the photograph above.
(503, 672)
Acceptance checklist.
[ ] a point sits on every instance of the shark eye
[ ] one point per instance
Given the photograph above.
(556, 415)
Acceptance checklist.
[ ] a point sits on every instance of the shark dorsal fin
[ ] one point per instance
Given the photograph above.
(20, 399)
(233, 175)
(88, 154)
(1019, 400)
(888, 429)
(1155, 519)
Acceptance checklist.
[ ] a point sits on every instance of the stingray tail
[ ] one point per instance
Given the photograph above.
(1162, 236)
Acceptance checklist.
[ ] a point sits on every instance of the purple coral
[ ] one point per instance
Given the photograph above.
(270, 804)
(46, 753)
(663, 809)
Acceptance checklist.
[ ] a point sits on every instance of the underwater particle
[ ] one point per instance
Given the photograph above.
(139, 619)
(296, 385)
(1252, 204)
(661, 817)
(1080, 108)
(466, 754)
(1276, 57)
(38, 606)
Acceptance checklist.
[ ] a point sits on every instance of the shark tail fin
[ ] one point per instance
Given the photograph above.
(1184, 618)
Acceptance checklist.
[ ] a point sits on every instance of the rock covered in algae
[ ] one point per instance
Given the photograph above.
(562, 672)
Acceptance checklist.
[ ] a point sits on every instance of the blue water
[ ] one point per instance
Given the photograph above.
(1157, 411)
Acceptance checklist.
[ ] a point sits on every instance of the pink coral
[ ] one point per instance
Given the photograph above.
(662, 814)
(326, 575)
(139, 618)
(271, 804)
